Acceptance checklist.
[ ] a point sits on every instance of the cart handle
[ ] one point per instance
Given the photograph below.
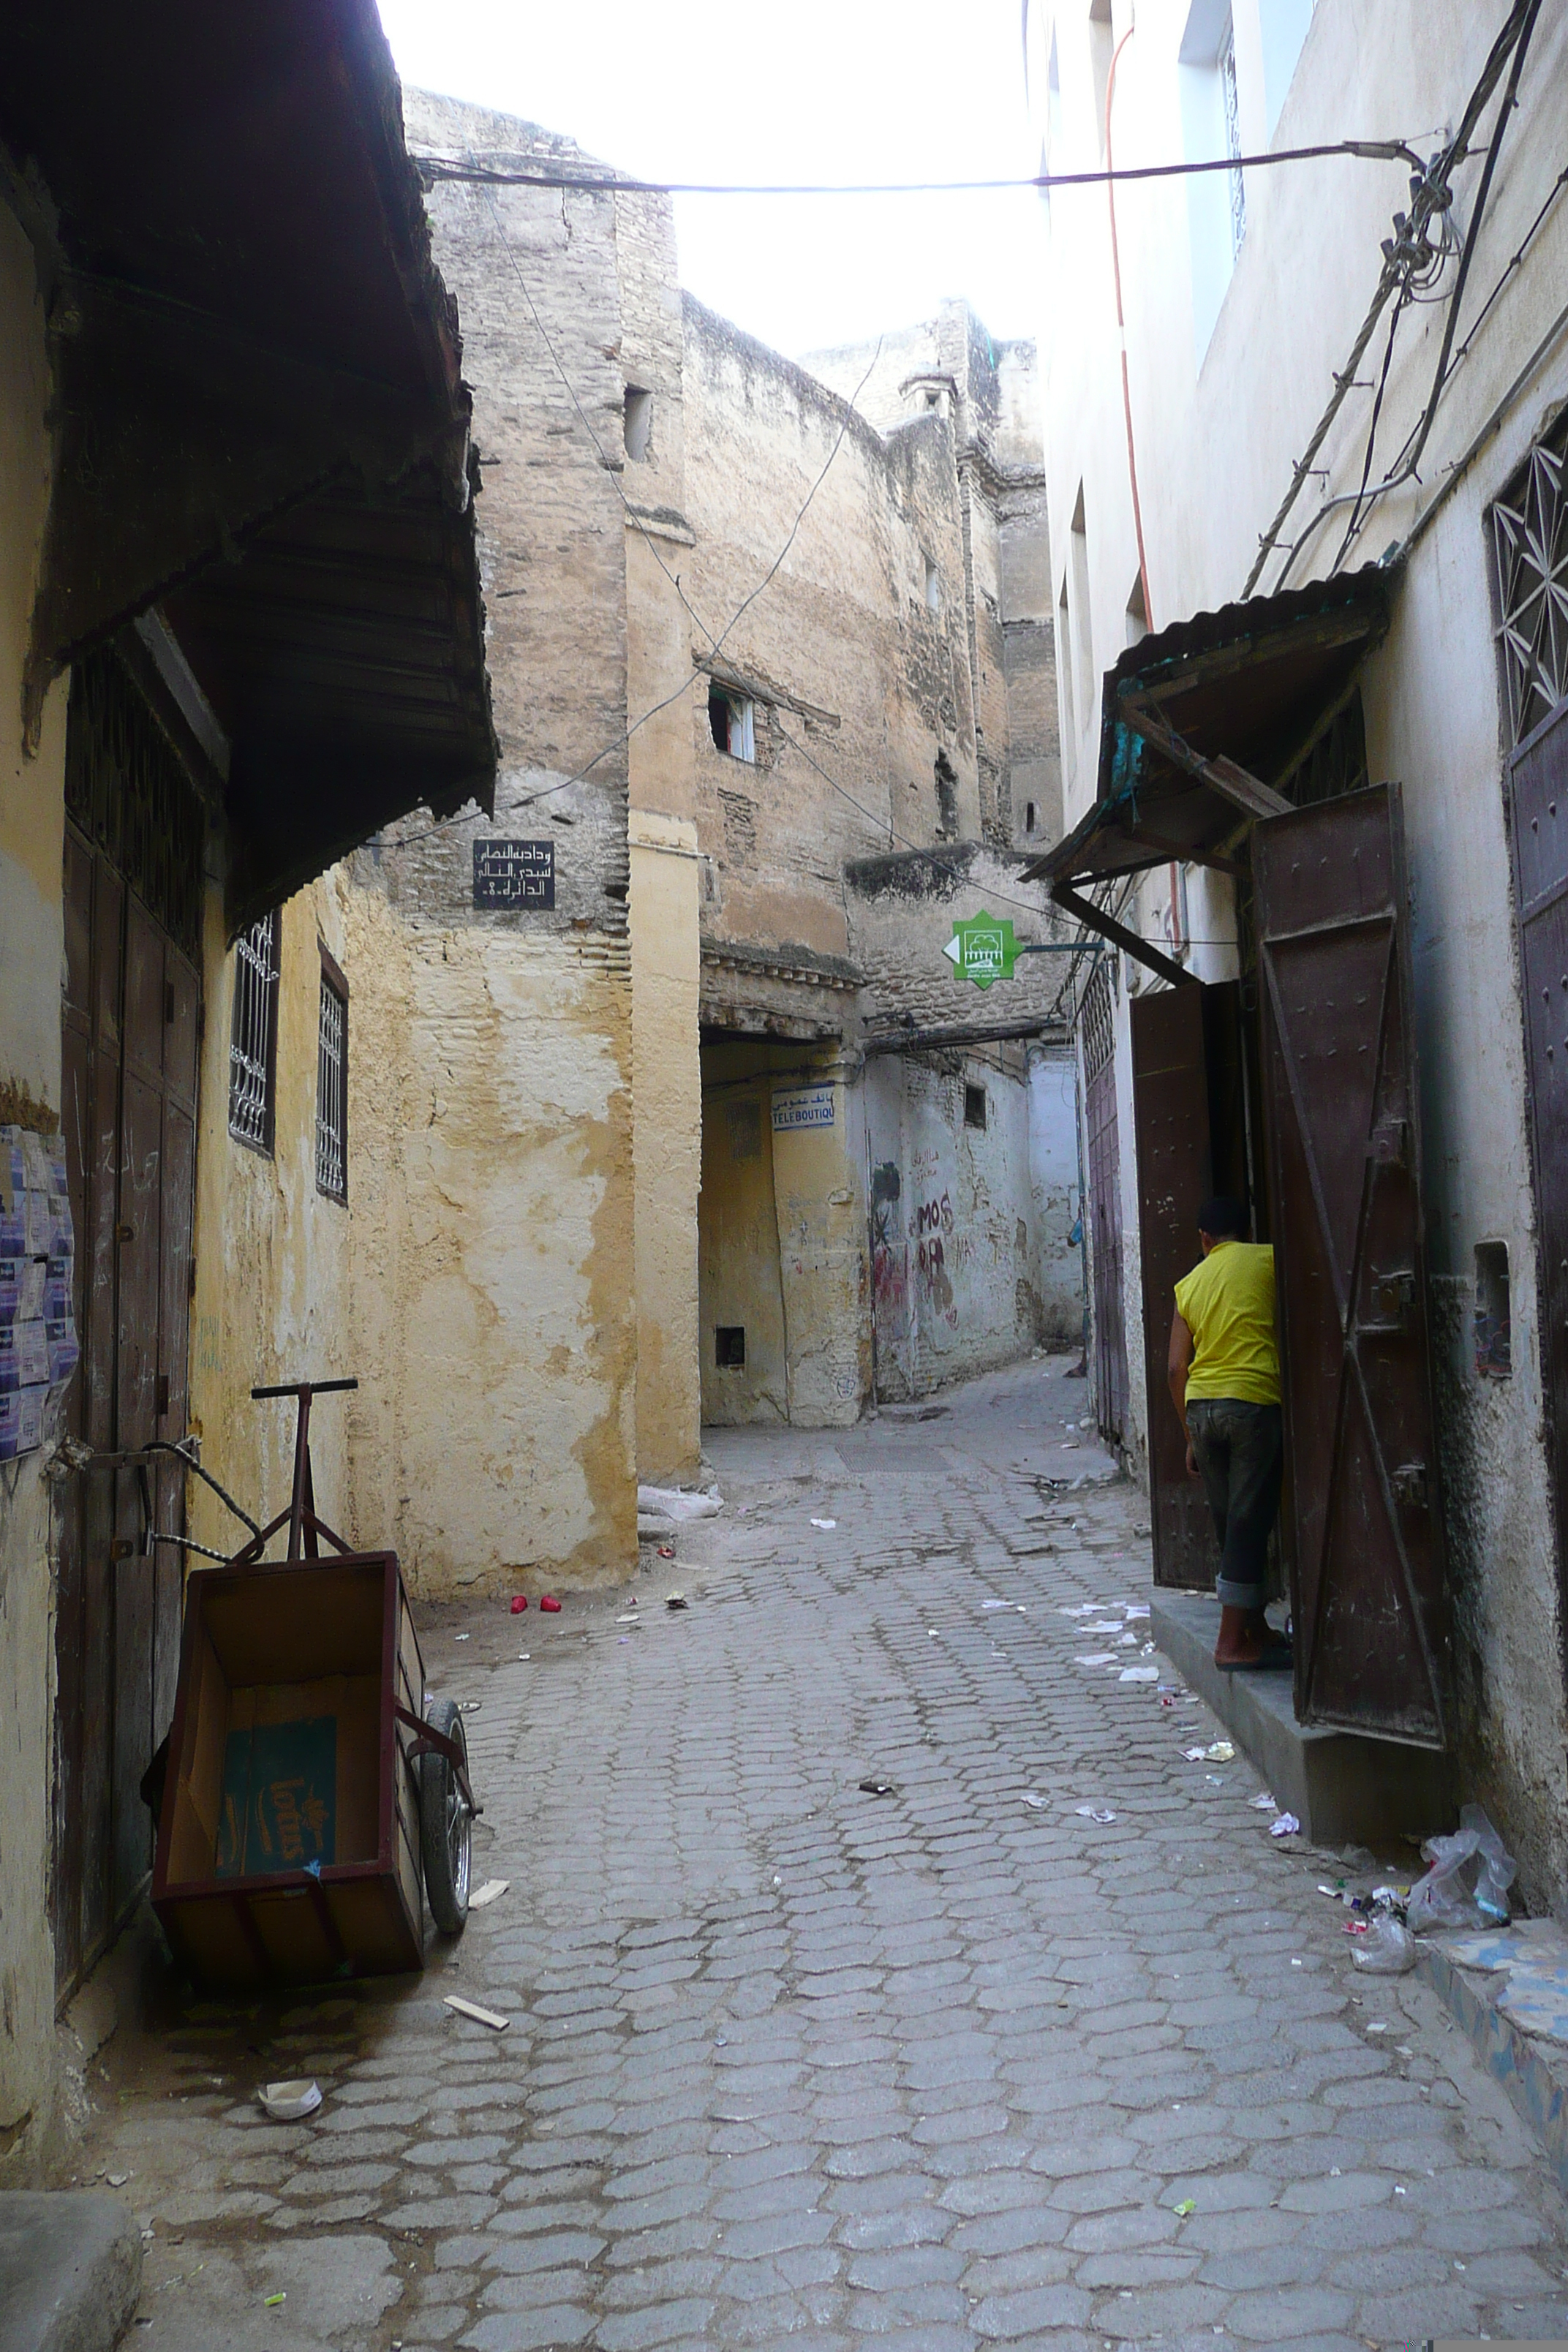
(427, 1737)
(302, 1388)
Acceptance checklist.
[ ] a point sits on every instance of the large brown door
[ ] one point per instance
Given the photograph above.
(1538, 799)
(1362, 1525)
(130, 1023)
(1109, 1334)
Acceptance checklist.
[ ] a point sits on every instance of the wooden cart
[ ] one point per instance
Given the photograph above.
(314, 1795)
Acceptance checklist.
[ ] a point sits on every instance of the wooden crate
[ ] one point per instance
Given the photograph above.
(288, 1837)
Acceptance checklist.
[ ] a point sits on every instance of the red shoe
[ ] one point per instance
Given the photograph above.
(518, 1603)
(548, 1602)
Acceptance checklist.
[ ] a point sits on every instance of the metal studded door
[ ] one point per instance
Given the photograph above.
(131, 1019)
(1363, 1529)
(1104, 1208)
(1537, 798)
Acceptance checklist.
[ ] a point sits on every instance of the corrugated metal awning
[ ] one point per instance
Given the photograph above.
(1199, 723)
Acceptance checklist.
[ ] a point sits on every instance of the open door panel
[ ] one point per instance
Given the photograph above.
(1362, 1530)
(1186, 1059)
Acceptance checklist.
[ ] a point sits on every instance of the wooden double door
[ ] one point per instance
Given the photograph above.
(1309, 1105)
(130, 1035)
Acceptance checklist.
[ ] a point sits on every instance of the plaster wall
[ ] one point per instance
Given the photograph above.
(961, 1213)
(1057, 1199)
(494, 1238)
(272, 1258)
(667, 1145)
(32, 817)
(666, 867)
(1220, 414)
(740, 1272)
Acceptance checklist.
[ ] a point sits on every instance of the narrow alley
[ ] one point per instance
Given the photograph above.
(875, 1969)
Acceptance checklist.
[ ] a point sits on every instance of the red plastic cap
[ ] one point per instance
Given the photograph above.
(548, 1601)
(518, 1603)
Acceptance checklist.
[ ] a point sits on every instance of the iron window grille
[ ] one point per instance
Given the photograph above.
(252, 1037)
(1232, 103)
(332, 1085)
(1098, 1021)
(1530, 545)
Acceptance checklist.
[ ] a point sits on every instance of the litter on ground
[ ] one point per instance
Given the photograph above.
(290, 2103)
(492, 1889)
(1220, 1752)
(1138, 1674)
(471, 2009)
(824, 1523)
(1285, 1826)
(1263, 1803)
(1101, 1813)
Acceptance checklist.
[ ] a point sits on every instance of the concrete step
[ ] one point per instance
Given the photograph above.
(1344, 1790)
(70, 2269)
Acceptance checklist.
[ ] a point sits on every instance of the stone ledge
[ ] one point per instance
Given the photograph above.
(70, 2271)
(1343, 1789)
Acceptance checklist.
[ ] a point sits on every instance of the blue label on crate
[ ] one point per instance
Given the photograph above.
(278, 1808)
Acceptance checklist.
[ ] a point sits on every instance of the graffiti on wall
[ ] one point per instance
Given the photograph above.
(935, 1241)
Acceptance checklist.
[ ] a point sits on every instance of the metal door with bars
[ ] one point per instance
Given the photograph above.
(1363, 1527)
(130, 1018)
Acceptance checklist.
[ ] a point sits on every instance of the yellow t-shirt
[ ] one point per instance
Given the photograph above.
(1227, 1304)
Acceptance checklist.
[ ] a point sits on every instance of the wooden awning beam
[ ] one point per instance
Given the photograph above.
(1094, 919)
(1222, 775)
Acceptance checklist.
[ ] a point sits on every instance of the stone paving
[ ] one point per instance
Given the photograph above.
(792, 2063)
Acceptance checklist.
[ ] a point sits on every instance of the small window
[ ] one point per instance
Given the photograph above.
(730, 1347)
(332, 1085)
(975, 1107)
(733, 720)
(1028, 817)
(1494, 1335)
(638, 423)
(253, 1038)
(932, 585)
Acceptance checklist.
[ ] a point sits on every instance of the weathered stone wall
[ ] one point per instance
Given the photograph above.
(860, 683)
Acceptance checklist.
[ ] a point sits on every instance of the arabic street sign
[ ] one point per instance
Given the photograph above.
(983, 949)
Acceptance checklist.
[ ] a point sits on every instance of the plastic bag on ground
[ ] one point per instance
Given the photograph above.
(1386, 1950)
(677, 1503)
(1467, 1883)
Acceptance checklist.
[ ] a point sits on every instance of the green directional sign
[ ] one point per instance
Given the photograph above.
(983, 949)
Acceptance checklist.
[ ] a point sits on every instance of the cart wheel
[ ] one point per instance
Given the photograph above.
(446, 1824)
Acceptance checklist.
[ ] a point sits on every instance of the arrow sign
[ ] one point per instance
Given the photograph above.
(983, 949)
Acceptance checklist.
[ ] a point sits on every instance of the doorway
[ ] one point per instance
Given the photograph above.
(130, 1031)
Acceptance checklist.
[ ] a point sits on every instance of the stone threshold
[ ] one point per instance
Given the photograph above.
(1343, 1789)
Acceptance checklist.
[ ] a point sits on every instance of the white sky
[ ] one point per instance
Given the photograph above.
(795, 91)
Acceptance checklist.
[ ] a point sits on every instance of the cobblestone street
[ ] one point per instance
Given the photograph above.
(789, 2061)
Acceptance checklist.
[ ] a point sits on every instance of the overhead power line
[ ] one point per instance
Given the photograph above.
(1406, 255)
(486, 175)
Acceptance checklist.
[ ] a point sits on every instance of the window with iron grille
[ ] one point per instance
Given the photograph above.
(332, 1085)
(1530, 543)
(252, 1037)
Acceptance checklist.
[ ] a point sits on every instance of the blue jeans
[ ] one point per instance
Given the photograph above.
(1240, 1455)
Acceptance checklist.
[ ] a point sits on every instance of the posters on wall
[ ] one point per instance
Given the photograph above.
(38, 1348)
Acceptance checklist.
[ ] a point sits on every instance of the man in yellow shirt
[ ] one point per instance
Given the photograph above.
(1223, 1371)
